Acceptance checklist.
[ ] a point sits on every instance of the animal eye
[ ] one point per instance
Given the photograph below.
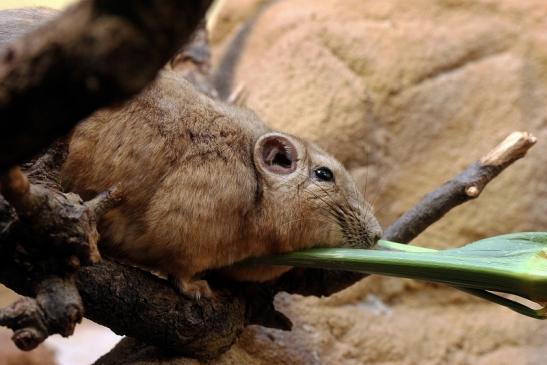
(324, 174)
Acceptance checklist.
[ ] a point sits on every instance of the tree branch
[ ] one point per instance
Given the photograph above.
(96, 53)
(61, 222)
(461, 188)
(132, 302)
(136, 303)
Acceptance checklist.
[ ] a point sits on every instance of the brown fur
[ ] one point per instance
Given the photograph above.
(196, 195)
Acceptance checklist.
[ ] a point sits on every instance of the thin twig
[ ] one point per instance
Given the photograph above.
(463, 187)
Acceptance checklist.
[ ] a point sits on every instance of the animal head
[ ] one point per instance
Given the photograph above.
(311, 196)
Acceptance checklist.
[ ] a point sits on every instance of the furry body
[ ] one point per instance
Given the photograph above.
(196, 196)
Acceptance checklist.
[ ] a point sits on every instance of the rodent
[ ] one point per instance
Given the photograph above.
(206, 184)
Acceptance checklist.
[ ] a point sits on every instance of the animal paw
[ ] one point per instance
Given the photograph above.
(193, 289)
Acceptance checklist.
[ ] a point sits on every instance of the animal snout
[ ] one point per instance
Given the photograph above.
(365, 235)
(376, 235)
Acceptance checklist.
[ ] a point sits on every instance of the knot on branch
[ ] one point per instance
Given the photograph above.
(62, 224)
(26, 319)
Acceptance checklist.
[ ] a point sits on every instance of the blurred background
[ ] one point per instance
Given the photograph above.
(406, 94)
(56, 4)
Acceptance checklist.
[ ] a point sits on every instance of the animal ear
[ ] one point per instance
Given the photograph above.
(276, 154)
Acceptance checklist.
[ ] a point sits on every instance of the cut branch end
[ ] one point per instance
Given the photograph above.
(510, 149)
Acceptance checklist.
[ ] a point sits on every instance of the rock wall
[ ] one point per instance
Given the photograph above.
(406, 94)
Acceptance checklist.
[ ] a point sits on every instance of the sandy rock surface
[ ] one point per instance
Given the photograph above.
(406, 94)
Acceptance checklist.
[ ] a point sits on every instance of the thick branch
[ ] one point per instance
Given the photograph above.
(137, 304)
(96, 53)
(59, 222)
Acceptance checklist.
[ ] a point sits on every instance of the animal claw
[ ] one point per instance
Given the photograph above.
(192, 289)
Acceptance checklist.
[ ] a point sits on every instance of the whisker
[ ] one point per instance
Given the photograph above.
(304, 219)
(366, 172)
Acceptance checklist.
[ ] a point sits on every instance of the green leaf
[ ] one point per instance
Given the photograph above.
(513, 263)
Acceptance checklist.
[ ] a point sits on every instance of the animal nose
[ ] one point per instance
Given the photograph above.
(377, 236)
